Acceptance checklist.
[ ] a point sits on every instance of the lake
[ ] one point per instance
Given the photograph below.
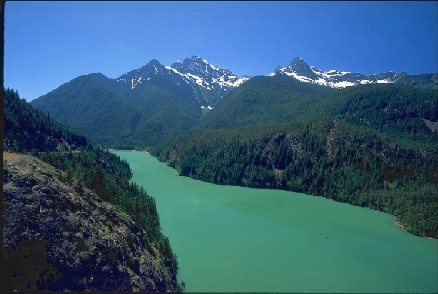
(236, 239)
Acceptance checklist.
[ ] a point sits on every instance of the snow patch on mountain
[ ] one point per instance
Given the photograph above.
(383, 81)
(206, 74)
(207, 83)
(301, 71)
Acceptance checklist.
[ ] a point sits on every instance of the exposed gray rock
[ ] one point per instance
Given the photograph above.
(87, 244)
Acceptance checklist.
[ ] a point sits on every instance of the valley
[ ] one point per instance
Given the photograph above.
(236, 239)
(246, 162)
(156, 102)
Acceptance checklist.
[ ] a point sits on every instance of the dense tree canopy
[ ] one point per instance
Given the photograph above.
(29, 131)
(112, 118)
(325, 157)
(370, 145)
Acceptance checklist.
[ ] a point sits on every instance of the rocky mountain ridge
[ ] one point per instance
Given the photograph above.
(207, 83)
(301, 71)
(149, 105)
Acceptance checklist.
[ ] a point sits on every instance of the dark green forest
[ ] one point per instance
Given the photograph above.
(264, 100)
(115, 115)
(373, 150)
(29, 131)
(115, 118)
(369, 145)
(396, 111)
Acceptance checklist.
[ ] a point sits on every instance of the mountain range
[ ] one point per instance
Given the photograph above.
(301, 71)
(142, 107)
(148, 105)
(206, 83)
(368, 140)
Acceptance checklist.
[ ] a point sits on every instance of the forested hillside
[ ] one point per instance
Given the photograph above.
(113, 118)
(264, 100)
(27, 129)
(86, 168)
(425, 81)
(166, 110)
(396, 111)
(371, 145)
(91, 104)
(325, 157)
(401, 113)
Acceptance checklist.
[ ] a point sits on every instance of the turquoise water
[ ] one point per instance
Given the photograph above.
(235, 239)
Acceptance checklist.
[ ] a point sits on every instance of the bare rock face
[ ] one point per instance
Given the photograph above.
(58, 236)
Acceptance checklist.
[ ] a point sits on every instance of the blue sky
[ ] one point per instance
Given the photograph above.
(50, 43)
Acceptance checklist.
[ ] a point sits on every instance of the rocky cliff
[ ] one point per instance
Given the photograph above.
(58, 236)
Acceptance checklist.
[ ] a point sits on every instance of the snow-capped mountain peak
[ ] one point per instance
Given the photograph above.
(300, 70)
(206, 73)
(208, 83)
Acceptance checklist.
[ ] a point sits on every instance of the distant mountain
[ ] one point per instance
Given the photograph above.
(397, 111)
(92, 104)
(263, 100)
(300, 70)
(142, 107)
(148, 105)
(204, 82)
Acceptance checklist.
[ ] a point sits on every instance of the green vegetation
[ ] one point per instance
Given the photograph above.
(118, 119)
(98, 170)
(27, 129)
(94, 106)
(396, 111)
(264, 100)
(426, 81)
(369, 145)
(325, 157)
(164, 113)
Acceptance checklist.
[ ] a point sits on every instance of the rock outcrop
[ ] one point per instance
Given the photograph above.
(58, 236)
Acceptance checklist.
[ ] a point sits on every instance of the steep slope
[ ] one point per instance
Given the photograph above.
(328, 157)
(156, 102)
(142, 107)
(215, 81)
(91, 104)
(195, 80)
(300, 70)
(75, 240)
(399, 112)
(28, 129)
(60, 208)
(263, 100)
(396, 111)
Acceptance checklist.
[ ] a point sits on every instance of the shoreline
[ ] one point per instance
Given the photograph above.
(396, 223)
(403, 227)
(400, 225)
(127, 150)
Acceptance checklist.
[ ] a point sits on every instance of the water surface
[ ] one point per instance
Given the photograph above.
(235, 239)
